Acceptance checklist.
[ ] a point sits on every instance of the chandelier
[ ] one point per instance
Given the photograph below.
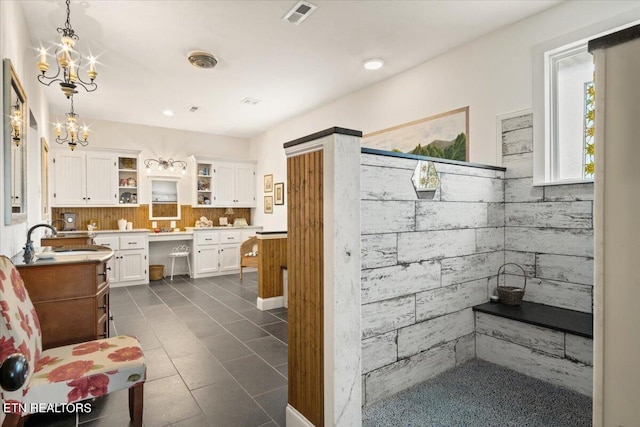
(68, 62)
(162, 164)
(71, 131)
(15, 118)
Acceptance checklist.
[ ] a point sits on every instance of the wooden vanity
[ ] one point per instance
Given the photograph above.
(71, 296)
(72, 240)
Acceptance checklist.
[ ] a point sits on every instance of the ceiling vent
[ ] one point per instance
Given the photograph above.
(202, 59)
(299, 12)
(192, 108)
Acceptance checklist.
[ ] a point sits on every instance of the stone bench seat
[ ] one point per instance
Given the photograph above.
(549, 343)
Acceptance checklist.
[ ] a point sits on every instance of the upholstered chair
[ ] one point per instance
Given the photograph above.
(31, 378)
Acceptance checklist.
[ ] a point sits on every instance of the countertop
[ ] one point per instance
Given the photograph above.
(73, 255)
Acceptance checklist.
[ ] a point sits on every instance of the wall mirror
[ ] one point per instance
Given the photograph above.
(164, 199)
(14, 106)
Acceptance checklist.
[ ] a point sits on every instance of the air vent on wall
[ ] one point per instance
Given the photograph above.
(250, 101)
(299, 12)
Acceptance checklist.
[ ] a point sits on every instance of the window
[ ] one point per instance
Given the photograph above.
(569, 112)
(564, 104)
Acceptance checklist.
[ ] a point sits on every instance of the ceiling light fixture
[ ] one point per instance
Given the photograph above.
(373, 63)
(71, 131)
(201, 59)
(168, 113)
(162, 164)
(15, 118)
(68, 62)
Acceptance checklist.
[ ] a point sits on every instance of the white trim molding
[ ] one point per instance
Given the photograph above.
(295, 418)
(270, 303)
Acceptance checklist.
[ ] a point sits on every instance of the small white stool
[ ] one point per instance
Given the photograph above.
(179, 252)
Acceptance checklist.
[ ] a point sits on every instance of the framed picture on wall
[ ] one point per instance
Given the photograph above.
(278, 191)
(445, 135)
(268, 183)
(268, 204)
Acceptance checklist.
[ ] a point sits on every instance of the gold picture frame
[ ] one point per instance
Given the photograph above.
(268, 204)
(278, 193)
(268, 183)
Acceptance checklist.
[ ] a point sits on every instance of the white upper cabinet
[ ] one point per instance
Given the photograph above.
(224, 184)
(94, 178)
(84, 178)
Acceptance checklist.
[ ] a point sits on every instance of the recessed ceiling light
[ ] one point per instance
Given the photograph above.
(373, 63)
(168, 113)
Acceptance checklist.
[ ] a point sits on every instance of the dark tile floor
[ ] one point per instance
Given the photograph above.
(213, 358)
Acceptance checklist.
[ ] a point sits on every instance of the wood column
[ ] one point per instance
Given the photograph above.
(323, 263)
(272, 256)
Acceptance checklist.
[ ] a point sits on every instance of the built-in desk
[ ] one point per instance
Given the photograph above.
(161, 244)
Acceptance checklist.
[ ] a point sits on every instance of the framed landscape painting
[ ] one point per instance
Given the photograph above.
(444, 135)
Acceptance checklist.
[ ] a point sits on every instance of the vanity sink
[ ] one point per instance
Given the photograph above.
(76, 252)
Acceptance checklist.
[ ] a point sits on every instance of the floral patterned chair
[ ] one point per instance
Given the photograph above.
(62, 375)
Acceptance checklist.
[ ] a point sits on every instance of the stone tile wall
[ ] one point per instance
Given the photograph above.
(548, 230)
(425, 263)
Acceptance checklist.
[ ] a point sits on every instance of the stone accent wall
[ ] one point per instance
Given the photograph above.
(425, 263)
(548, 230)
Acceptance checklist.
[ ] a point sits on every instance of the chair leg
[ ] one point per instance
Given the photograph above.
(189, 266)
(173, 261)
(136, 403)
(13, 420)
(241, 273)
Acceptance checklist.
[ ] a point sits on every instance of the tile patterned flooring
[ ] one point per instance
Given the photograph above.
(213, 358)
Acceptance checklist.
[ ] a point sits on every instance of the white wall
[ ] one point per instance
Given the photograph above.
(492, 75)
(16, 45)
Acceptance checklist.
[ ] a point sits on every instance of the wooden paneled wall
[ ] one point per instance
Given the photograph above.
(109, 216)
(272, 256)
(305, 296)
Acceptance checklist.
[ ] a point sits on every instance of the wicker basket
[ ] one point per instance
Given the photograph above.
(156, 272)
(510, 295)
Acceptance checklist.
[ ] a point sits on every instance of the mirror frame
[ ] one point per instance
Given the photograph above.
(177, 182)
(11, 83)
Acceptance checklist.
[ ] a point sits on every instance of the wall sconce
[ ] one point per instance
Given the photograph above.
(162, 164)
(16, 123)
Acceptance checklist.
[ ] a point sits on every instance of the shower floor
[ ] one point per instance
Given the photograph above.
(481, 394)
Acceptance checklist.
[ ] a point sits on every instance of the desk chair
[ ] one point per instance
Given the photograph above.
(60, 375)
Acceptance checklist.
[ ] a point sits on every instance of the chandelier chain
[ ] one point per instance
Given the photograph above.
(67, 31)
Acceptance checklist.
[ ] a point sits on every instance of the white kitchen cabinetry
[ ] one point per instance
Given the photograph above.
(230, 250)
(206, 253)
(224, 184)
(129, 265)
(81, 179)
(217, 252)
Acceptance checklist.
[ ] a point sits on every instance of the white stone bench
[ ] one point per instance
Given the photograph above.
(549, 343)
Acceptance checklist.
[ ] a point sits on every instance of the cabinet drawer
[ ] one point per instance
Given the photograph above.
(112, 242)
(230, 237)
(207, 238)
(132, 242)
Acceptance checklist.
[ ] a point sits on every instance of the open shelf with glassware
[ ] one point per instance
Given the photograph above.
(128, 180)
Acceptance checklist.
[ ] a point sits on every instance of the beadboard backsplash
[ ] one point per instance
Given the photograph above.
(109, 216)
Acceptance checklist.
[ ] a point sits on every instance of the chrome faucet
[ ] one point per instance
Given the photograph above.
(28, 247)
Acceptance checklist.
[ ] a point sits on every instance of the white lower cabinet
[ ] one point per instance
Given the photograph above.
(217, 252)
(129, 265)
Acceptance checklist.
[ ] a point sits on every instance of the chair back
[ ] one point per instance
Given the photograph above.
(182, 249)
(19, 325)
(248, 245)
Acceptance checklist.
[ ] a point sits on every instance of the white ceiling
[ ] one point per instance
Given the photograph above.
(143, 45)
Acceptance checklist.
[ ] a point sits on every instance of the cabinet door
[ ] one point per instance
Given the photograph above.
(224, 185)
(132, 265)
(112, 268)
(207, 259)
(229, 257)
(101, 179)
(245, 185)
(69, 179)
